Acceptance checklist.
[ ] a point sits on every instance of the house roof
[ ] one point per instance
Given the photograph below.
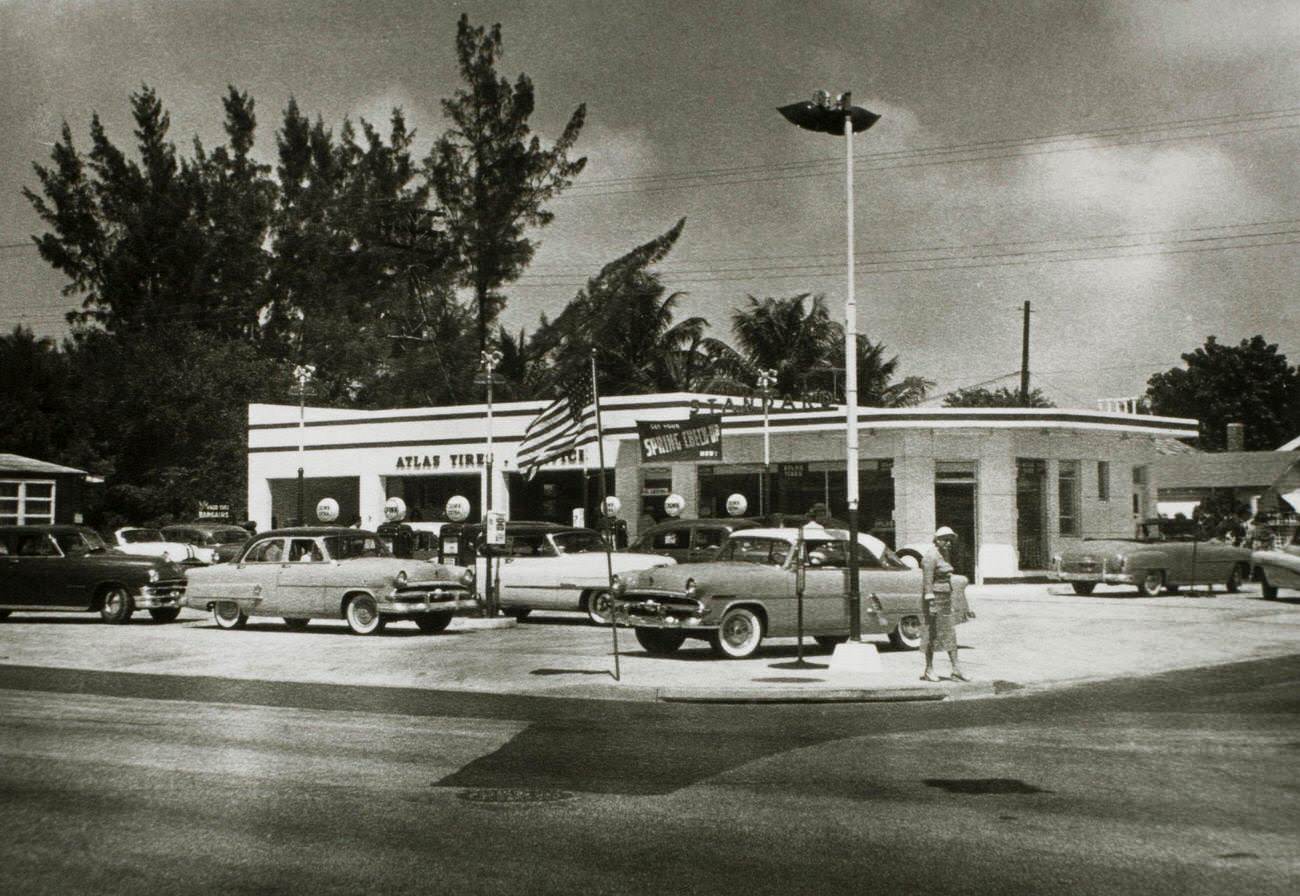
(1225, 469)
(15, 463)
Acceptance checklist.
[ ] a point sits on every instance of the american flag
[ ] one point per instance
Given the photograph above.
(567, 422)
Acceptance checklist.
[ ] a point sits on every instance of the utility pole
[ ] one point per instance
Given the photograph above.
(1024, 361)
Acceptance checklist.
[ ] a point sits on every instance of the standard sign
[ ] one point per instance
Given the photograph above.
(699, 438)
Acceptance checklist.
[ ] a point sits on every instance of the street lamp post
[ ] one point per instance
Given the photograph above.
(842, 117)
(766, 378)
(488, 360)
(302, 374)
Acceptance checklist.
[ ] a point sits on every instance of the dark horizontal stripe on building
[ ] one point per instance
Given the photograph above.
(781, 422)
(461, 415)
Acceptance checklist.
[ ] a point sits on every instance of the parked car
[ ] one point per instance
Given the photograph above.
(1153, 560)
(749, 593)
(689, 541)
(73, 568)
(546, 566)
(1279, 567)
(330, 572)
(423, 544)
(151, 543)
(212, 542)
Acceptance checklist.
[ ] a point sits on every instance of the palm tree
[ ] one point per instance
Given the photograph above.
(806, 349)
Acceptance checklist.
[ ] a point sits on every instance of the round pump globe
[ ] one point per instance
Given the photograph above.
(612, 506)
(458, 508)
(737, 504)
(674, 505)
(394, 510)
(327, 510)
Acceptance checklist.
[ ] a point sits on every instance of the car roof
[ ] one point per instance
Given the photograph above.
(730, 522)
(311, 531)
(52, 528)
(206, 525)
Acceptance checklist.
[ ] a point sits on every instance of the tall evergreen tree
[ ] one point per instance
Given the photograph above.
(491, 176)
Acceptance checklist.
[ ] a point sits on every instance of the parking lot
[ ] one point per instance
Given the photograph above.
(1025, 637)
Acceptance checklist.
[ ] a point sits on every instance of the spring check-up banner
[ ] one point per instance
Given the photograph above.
(699, 438)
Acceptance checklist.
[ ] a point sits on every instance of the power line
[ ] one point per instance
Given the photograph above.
(980, 146)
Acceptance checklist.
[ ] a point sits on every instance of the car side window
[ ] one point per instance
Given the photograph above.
(304, 550)
(708, 537)
(36, 544)
(670, 538)
(268, 551)
(826, 554)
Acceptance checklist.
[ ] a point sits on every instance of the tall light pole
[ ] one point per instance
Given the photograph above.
(488, 361)
(302, 373)
(842, 117)
(766, 379)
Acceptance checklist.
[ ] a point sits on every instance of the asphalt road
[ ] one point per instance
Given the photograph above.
(124, 783)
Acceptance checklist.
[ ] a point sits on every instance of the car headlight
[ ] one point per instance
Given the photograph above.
(1118, 562)
(153, 575)
(467, 577)
(400, 579)
(619, 586)
(690, 588)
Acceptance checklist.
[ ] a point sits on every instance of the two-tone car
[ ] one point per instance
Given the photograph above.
(152, 543)
(547, 566)
(64, 567)
(329, 572)
(1153, 561)
(751, 592)
(1278, 567)
(212, 542)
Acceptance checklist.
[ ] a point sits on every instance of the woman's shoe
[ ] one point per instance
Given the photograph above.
(957, 676)
(928, 677)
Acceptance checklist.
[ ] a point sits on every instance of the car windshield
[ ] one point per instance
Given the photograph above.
(70, 542)
(578, 542)
(355, 544)
(751, 549)
(138, 536)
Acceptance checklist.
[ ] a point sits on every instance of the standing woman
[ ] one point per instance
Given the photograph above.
(940, 629)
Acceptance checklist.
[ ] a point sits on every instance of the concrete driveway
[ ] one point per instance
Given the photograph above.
(1025, 637)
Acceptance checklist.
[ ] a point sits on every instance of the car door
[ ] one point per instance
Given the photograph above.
(300, 584)
(826, 587)
(529, 572)
(8, 568)
(896, 591)
(41, 572)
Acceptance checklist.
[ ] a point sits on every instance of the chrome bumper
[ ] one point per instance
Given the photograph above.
(434, 600)
(651, 613)
(158, 595)
(1106, 578)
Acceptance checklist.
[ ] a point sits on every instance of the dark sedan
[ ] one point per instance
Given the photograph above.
(72, 568)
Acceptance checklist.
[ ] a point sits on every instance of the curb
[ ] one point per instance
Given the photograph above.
(798, 695)
(475, 623)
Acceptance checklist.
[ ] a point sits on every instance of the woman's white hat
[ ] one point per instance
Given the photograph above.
(944, 530)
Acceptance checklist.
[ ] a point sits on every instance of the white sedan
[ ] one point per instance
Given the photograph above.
(152, 543)
(545, 566)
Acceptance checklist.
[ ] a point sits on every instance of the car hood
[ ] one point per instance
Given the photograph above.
(1107, 547)
(142, 561)
(673, 578)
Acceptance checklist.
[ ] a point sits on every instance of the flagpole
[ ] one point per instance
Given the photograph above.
(609, 557)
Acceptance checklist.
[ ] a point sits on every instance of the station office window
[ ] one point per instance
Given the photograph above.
(23, 502)
(1068, 491)
(1103, 480)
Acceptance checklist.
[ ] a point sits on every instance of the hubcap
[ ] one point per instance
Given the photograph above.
(1152, 582)
(363, 613)
(228, 612)
(910, 627)
(114, 601)
(737, 631)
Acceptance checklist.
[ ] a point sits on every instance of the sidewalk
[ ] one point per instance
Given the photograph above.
(1026, 637)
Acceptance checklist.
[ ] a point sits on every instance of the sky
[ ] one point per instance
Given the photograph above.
(1127, 168)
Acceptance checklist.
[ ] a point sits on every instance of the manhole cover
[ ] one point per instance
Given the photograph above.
(513, 796)
(983, 785)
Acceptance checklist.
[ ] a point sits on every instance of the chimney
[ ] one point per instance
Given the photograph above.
(1236, 437)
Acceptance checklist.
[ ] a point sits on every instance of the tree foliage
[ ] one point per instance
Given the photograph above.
(1001, 397)
(491, 176)
(1249, 383)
